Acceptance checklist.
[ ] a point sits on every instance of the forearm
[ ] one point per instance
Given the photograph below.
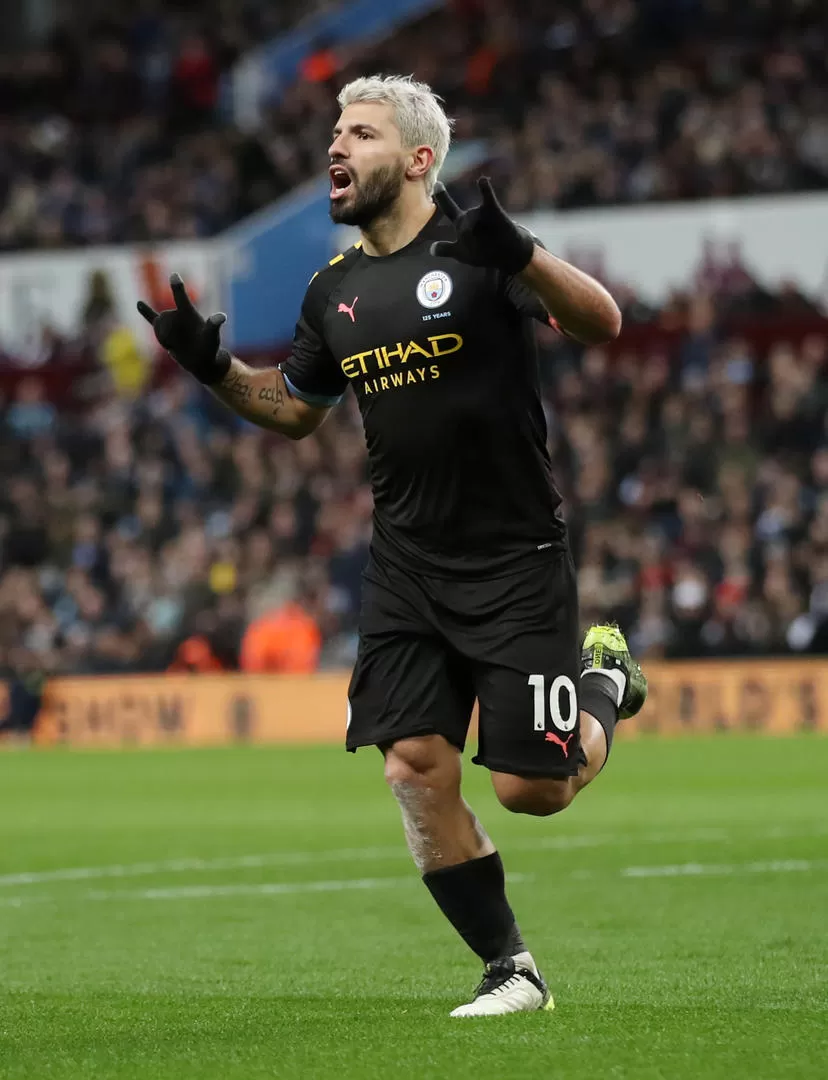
(261, 396)
(578, 303)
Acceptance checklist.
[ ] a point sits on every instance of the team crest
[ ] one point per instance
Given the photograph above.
(434, 289)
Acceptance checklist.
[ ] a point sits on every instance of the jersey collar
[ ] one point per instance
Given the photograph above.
(425, 236)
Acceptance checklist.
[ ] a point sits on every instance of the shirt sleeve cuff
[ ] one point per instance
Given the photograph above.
(323, 400)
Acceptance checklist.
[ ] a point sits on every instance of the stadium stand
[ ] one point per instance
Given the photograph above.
(700, 520)
(576, 108)
(125, 98)
(144, 528)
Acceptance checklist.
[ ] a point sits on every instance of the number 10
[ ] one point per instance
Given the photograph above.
(559, 683)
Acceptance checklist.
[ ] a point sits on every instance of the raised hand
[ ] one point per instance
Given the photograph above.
(486, 235)
(191, 340)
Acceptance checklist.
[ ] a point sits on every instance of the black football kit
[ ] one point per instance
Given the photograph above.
(470, 591)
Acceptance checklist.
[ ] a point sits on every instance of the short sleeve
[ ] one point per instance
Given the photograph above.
(311, 372)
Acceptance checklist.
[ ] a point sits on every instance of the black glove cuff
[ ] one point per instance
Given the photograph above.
(520, 254)
(217, 370)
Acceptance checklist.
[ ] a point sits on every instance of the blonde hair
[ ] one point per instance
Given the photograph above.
(418, 113)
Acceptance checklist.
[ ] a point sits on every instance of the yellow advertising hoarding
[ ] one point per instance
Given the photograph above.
(778, 697)
(193, 710)
(775, 696)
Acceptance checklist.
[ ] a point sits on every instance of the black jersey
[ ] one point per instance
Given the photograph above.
(442, 359)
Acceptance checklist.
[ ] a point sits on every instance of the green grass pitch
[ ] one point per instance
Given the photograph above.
(248, 913)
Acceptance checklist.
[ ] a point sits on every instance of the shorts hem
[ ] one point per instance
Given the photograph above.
(387, 738)
(564, 772)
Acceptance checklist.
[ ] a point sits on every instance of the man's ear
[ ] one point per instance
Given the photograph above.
(420, 161)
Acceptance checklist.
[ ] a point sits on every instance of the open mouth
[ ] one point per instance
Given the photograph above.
(340, 181)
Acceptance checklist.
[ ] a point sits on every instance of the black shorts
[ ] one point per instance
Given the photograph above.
(430, 646)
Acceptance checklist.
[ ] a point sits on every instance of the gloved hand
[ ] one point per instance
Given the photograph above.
(486, 235)
(191, 340)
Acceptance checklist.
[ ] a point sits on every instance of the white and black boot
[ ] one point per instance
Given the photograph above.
(511, 984)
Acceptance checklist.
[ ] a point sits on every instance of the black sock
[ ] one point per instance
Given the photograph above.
(472, 896)
(598, 696)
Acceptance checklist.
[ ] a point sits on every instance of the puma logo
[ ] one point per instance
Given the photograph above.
(349, 310)
(563, 743)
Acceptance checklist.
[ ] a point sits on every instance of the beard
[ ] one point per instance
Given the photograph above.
(371, 199)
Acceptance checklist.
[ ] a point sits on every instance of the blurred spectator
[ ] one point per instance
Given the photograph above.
(29, 415)
(286, 640)
(21, 696)
(195, 656)
(194, 82)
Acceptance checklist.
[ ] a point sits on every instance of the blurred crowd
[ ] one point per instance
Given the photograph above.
(584, 102)
(111, 128)
(143, 527)
(628, 101)
(154, 530)
(158, 531)
(696, 484)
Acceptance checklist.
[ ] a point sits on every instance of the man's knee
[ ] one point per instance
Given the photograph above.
(539, 796)
(426, 761)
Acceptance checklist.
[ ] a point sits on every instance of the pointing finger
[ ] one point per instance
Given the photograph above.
(445, 202)
(487, 191)
(182, 300)
(149, 313)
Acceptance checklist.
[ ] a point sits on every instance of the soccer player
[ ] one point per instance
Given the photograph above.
(470, 592)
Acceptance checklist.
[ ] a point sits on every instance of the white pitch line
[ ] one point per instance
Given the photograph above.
(291, 888)
(279, 888)
(780, 866)
(189, 865)
(294, 888)
(208, 892)
(196, 892)
(287, 888)
(283, 858)
(365, 854)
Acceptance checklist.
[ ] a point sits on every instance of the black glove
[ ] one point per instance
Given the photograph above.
(191, 340)
(486, 235)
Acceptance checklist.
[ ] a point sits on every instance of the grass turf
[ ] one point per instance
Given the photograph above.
(250, 913)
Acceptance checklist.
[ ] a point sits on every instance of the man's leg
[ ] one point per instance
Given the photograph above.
(404, 689)
(543, 795)
(441, 831)
(612, 686)
(457, 860)
(411, 694)
(553, 749)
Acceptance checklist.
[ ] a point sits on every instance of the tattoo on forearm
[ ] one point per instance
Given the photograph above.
(274, 395)
(238, 387)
